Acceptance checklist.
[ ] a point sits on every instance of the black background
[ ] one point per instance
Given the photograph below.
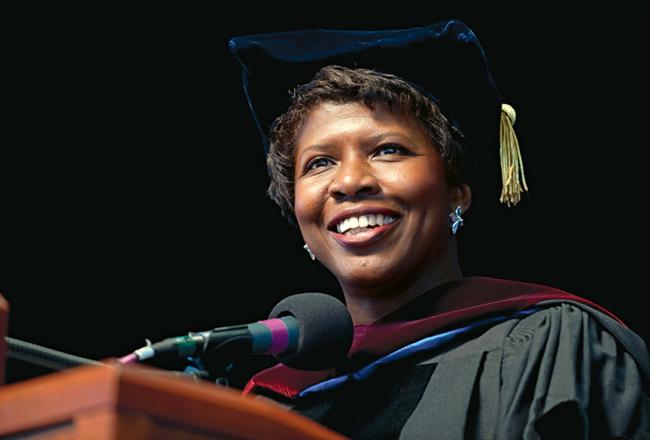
(132, 181)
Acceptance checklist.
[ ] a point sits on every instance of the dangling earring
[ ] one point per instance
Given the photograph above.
(455, 220)
(311, 254)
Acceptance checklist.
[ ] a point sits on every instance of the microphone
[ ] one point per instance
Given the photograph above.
(324, 330)
(308, 331)
(263, 337)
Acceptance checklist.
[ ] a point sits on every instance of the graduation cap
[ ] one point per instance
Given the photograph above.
(444, 61)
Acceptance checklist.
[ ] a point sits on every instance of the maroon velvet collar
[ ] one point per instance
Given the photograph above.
(447, 305)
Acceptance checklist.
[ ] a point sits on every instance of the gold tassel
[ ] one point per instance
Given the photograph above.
(512, 167)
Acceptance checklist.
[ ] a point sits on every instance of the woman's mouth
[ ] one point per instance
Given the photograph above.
(363, 230)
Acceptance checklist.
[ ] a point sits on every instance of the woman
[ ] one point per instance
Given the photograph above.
(368, 160)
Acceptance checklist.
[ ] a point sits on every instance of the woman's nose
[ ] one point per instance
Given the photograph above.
(353, 178)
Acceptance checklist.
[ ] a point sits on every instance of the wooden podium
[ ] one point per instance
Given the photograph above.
(140, 402)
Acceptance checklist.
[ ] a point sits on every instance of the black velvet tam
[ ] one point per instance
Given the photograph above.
(445, 61)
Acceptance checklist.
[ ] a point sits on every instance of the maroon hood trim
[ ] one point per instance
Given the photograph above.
(450, 304)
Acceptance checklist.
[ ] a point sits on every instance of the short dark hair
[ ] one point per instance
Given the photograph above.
(342, 85)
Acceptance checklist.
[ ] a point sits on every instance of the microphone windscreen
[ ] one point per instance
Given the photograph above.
(325, 330)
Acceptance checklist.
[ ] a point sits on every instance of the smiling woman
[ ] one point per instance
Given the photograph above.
(367, 159)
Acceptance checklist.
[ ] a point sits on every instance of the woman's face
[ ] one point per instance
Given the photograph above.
(371, 197)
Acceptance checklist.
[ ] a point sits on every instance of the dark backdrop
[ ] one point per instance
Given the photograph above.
(132, 180)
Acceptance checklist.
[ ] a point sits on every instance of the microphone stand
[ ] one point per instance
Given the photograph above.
(59, 360)
(43, 356)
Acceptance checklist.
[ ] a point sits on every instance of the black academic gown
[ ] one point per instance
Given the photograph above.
(567, 370)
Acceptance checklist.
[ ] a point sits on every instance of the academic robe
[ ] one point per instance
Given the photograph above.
(529, 361)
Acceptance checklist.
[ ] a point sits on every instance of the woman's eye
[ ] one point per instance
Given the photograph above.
(390, 149)
(318, 163)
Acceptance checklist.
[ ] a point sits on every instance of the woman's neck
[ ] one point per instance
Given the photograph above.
(367, 304)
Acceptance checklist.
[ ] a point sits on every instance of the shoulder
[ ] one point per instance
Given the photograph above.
(577, 329)
(568, 365)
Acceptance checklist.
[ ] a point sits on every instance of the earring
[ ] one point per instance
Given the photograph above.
(456, 220)
(311, 254)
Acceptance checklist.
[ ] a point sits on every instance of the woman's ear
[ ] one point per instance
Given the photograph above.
(460, 196)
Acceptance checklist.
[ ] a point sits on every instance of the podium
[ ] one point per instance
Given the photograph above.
(135, 402)
(115, 401)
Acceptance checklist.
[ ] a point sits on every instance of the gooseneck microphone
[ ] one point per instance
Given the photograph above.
(308, 331)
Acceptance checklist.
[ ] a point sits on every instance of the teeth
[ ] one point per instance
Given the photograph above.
(363, 221)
